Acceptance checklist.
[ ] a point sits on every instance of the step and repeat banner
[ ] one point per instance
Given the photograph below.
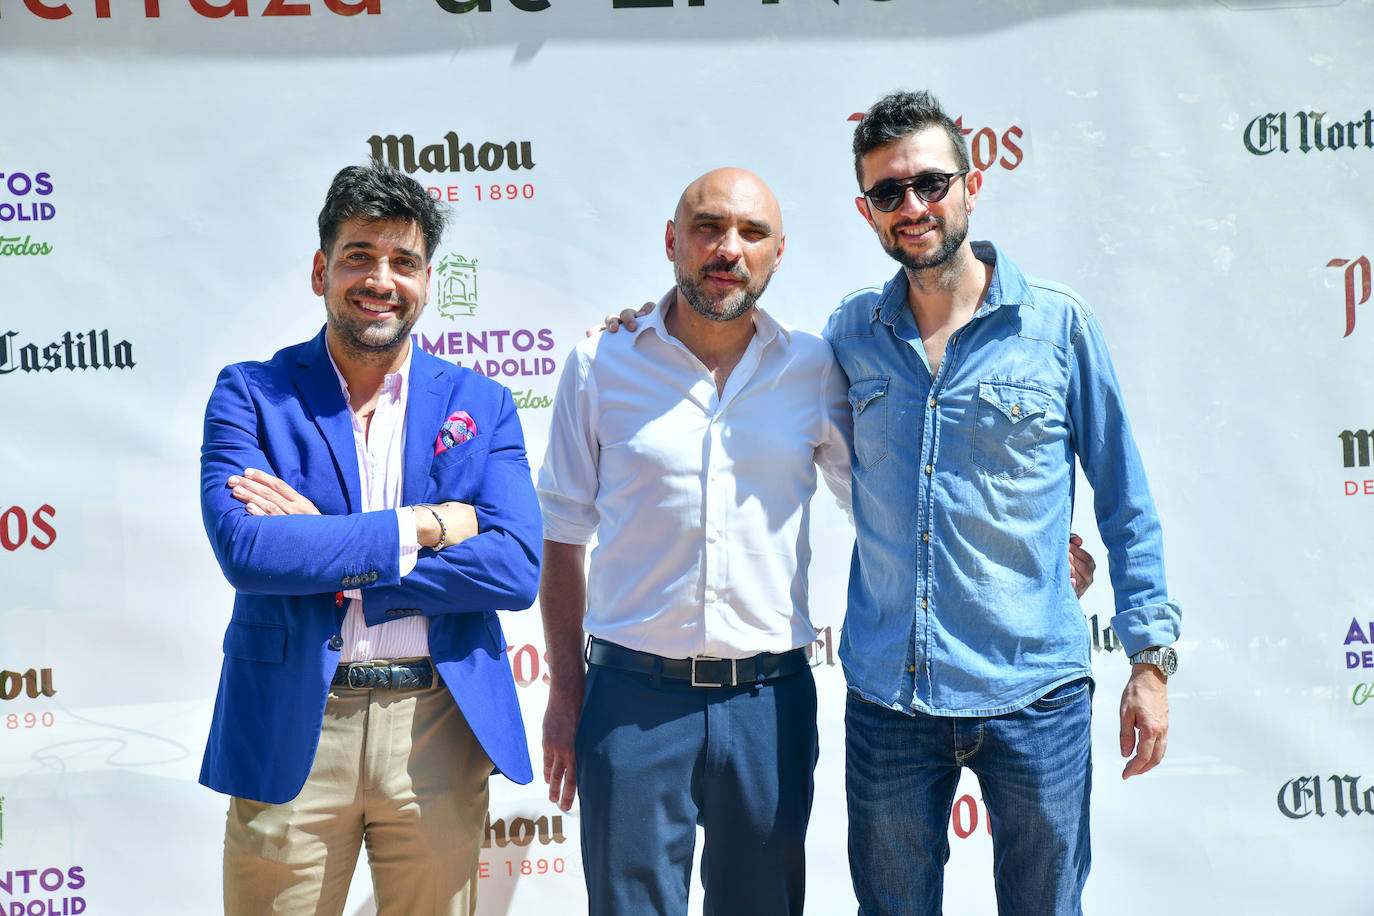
(1201, 171)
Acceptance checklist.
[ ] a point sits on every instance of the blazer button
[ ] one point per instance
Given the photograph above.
(372, 576)
(336, 642)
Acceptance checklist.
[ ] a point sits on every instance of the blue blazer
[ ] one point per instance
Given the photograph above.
(288, 417)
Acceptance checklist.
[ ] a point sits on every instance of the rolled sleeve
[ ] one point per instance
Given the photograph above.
(569, 477)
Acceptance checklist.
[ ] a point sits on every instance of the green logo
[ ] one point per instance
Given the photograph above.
(456, 292)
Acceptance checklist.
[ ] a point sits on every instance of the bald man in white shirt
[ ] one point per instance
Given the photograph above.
(696, 443)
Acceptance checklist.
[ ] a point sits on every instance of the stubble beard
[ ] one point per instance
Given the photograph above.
(720, 308)
(371, 341)
(953, 238)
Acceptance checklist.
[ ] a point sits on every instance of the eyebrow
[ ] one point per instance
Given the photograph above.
(368, 246)
(761, 225)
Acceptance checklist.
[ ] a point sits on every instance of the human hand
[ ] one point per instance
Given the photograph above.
(1081, 566)
(560, 727)
(1144, 719)
(263, 494)
(627, 317)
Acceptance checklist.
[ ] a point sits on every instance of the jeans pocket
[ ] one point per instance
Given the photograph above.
(1064, 694)
(868, 399)
(1007, 426)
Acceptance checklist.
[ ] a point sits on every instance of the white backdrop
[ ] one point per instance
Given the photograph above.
(163, 162)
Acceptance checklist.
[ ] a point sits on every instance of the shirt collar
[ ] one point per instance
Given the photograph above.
(766, 327)
(1008, 288)
(395, 385)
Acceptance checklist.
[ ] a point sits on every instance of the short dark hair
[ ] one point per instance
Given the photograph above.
(900, 114)
(377, 191)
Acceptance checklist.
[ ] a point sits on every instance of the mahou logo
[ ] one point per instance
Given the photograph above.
(450, 154)
(33, 683)
(1356, 286)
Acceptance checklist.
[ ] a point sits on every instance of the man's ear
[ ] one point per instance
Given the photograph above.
(861, 203)
(973, 183)
(670, 239)
(317, 273)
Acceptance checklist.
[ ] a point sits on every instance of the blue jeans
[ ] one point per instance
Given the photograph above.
(1035, 769)
(654, 761)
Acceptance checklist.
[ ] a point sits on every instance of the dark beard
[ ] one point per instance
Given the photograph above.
(953, 239)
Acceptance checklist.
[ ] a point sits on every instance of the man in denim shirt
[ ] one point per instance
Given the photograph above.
(973, 390)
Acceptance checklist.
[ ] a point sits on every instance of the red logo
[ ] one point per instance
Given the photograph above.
(15, 525)
(216, 9)
(986, 144)
(1356, 275)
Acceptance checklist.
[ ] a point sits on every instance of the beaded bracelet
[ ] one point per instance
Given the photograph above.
(443, 531)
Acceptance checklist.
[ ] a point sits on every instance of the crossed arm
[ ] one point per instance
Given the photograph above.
(262, 494)
(271, 538)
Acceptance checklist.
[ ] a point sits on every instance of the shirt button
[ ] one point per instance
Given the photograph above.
(1016, 410)
(336, 642)
(925, 536)
(924, 602)
(932, 402)
(911, 669)
(930, 469)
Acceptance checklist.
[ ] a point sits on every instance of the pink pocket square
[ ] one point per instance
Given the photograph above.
(458, 428)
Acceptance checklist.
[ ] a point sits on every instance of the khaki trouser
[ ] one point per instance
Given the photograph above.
(398, 770)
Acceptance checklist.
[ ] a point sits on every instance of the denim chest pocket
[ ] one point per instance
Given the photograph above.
(1008, 424)
(868, 398)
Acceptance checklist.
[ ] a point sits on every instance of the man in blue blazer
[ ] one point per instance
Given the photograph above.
(373, 508)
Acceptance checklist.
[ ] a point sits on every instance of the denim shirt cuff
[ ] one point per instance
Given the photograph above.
(1138, 628)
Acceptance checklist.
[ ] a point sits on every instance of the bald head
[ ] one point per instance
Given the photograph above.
(731, 186)
(725, 240)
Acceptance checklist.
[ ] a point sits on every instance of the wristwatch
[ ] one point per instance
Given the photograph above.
(1162, 657)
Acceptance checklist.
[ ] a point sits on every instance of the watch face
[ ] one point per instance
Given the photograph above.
(1168, 660)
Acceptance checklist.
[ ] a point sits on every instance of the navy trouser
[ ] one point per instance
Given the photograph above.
(656, 760)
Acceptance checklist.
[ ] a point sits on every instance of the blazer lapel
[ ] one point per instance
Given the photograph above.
(426, 410)
(318, 384)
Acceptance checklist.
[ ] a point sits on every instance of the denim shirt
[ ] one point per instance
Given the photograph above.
(960, 602)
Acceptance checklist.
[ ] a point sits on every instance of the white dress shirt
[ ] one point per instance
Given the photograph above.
(381, 459)
(700, 501)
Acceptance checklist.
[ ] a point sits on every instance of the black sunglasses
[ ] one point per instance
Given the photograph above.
(887, 195)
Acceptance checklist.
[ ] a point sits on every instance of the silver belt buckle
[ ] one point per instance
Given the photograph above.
(734, 671)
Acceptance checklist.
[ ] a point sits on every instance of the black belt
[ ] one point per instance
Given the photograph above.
(386, 675)
(701, 671)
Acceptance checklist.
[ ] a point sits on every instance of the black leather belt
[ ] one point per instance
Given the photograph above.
(410, 675)
(701, 671)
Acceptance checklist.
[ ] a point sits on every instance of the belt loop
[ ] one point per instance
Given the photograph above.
(657, 679)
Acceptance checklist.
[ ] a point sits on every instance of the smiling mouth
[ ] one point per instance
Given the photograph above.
(916, 230)
(377, 307)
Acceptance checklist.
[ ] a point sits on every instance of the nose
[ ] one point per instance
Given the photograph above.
(381, 278)
(731, 246)
(910, 201)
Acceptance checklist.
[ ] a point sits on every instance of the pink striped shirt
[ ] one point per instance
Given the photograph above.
(381, 453)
